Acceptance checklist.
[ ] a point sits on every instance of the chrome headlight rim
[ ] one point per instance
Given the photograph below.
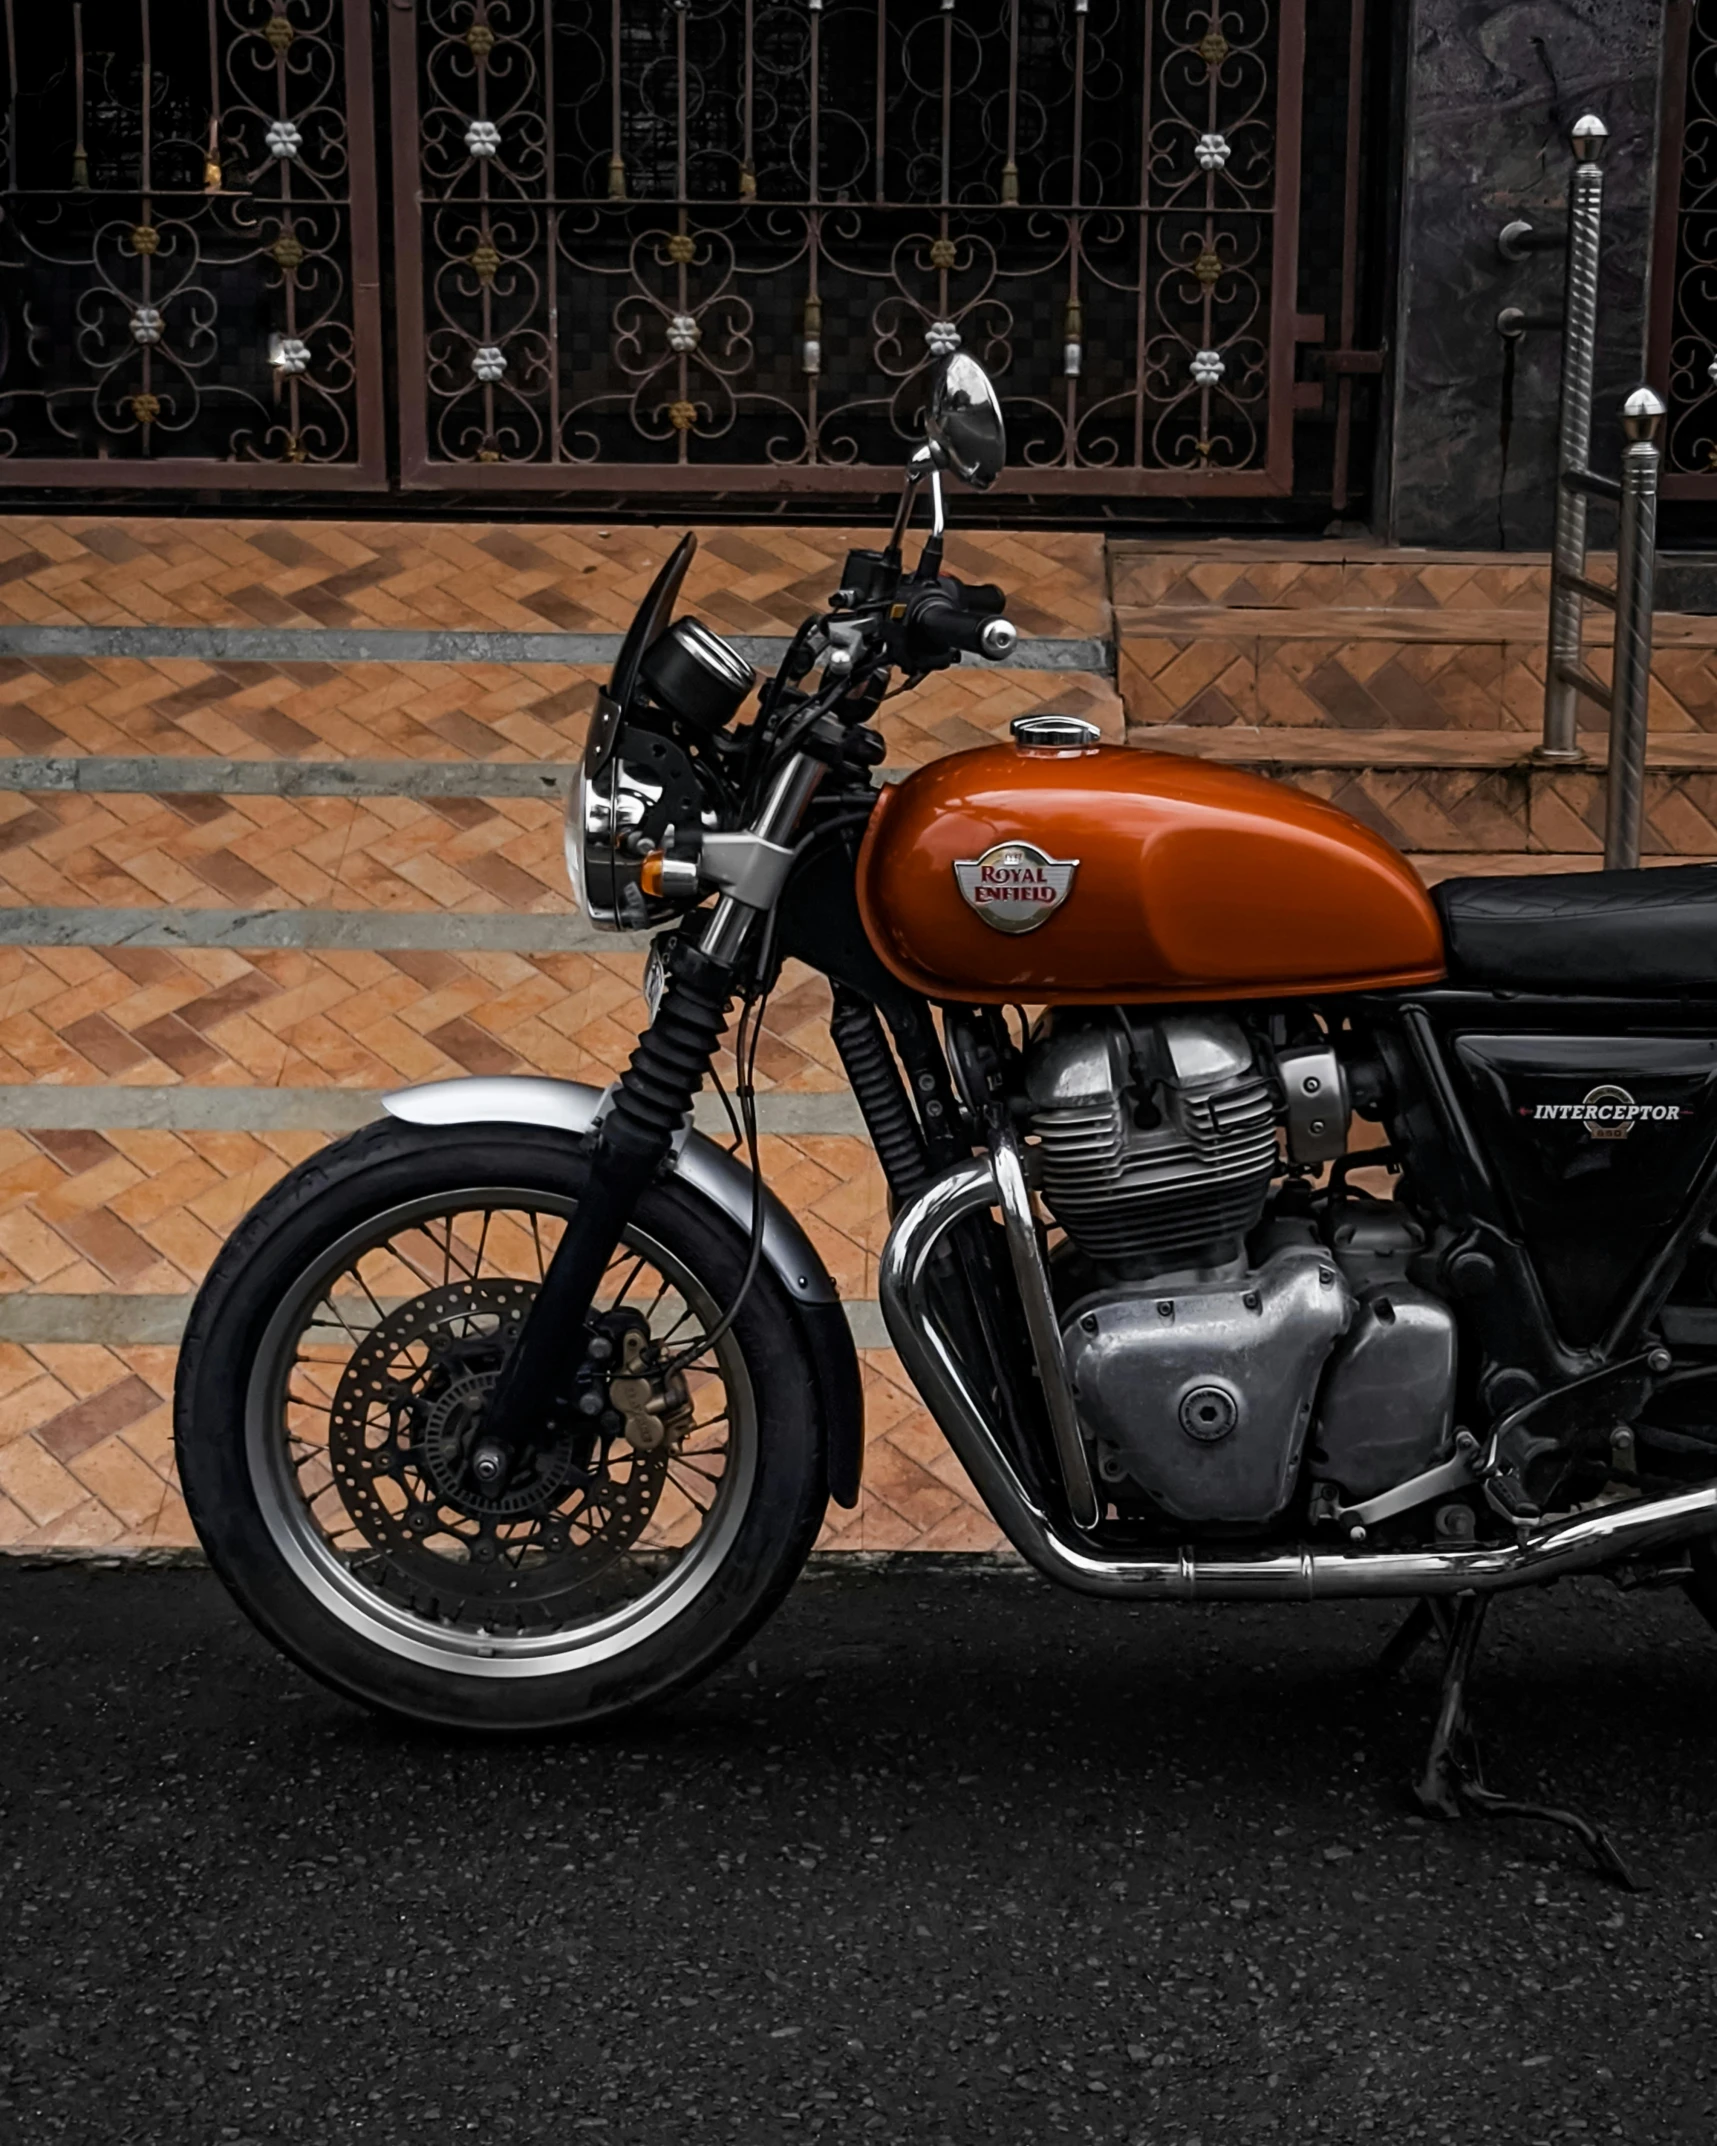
(605, 844)
(589, 857)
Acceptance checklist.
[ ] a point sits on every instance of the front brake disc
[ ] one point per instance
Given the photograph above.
(405, 1416)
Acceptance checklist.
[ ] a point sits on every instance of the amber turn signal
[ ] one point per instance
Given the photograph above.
(669, 879)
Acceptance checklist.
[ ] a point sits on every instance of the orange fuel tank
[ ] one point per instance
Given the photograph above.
(1090, 876)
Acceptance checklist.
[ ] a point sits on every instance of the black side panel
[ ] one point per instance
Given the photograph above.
(1598, 1142)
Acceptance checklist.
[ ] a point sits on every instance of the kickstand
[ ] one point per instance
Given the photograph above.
(1453, 1781)
(1429, 1614)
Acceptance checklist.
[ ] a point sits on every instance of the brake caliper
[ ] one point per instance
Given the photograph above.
(653, 1409)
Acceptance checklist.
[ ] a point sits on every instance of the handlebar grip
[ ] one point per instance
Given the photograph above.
(940, 626)
(985, 598)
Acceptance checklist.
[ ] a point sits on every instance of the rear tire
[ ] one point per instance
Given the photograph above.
(318, 1420)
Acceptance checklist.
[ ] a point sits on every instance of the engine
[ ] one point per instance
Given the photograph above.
(1214, 1333)
(1158, 1140)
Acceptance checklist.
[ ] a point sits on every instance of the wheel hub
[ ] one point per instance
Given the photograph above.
(450, 1423)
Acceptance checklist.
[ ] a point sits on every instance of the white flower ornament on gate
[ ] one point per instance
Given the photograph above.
(483, 138)
(289, 355)
(1207, 367)
(145, 325)
(283, 140)
(684, 334)
(488, 362)
(942, 338)
(1212, 152)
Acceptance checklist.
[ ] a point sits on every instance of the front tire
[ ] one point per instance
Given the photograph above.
(329, 1384)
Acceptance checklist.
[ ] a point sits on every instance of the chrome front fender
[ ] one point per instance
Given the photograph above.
(573, 1107)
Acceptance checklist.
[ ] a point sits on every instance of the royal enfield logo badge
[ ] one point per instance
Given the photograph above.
(1607, 1113)
(1015, 887)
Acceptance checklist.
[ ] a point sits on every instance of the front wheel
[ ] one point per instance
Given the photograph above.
(331, 1387)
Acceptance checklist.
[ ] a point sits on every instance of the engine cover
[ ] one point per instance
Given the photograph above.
(1388, 1403)
(1201, 1397)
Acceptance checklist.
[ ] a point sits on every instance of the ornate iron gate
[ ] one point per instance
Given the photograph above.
(189, 289)
(695, 247)
(713, 245)
(1684, 264)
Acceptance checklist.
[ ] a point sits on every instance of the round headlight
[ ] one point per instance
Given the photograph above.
(606, 842)
(614, 819)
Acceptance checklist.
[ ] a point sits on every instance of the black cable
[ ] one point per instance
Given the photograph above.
(727, 1105)
(746, 1042)
(745, 1054)
(762, 731)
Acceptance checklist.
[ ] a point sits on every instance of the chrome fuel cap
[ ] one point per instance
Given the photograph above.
(1054, 733)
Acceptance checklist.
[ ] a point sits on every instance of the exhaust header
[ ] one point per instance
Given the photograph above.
(1584, 1543)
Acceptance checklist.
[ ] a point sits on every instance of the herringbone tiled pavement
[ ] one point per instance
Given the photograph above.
(258, 709)
(171, 571)
(136, 1211)
(1403, 688)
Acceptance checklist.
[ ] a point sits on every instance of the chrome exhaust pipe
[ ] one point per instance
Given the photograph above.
(1581, 1544)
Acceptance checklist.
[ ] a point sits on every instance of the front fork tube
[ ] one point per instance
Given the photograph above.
(536, 1396)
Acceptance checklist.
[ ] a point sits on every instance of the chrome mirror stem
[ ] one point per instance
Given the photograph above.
(915, 468)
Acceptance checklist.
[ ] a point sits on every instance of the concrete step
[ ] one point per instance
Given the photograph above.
(1281, 747)
(1242, 573)
(1470, 794)
(1350, 637)
(1521, 864)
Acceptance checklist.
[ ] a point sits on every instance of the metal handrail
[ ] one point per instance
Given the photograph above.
(1588, 138)
(1566, 677)
(1630, 675)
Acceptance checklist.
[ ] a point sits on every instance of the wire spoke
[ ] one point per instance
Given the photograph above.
(329, 1304)
(375, 1301)
(384, 1348)
(625, 1290)
(690, 1495)
(682, 1459)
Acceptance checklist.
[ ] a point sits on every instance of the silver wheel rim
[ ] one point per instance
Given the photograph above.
(467, 1649)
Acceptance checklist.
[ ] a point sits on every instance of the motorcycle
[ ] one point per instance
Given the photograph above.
(522, 1406)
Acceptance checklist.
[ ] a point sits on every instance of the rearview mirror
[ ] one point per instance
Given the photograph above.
(964, 424)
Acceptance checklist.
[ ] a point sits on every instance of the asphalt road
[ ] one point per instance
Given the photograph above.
(944, 1858)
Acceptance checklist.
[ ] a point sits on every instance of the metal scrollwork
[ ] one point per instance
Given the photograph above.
(176, 254)
(1691, 439)
(705, 235)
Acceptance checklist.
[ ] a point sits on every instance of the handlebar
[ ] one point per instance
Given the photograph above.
(940, 625)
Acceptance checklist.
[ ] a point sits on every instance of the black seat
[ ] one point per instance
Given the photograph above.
(1627, 932)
